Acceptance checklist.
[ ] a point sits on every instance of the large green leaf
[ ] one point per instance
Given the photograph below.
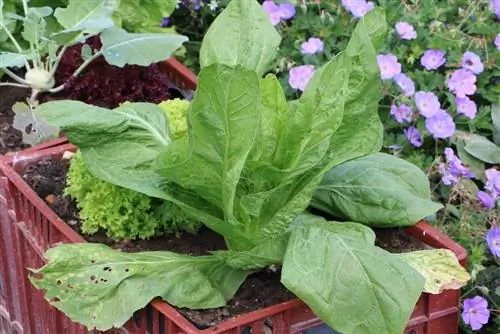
(378, 190)
(310, 123)
(118, 146)
(273, 107)
(281, 189)
(353, 286)
(361, 130)
(483, 149)
(10, 59)
(101, 287)
(223, 121)
(251, 41)
(88, 15)
(121, 48)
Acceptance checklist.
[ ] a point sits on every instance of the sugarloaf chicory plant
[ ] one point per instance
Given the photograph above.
(247, 169)
(46, 34)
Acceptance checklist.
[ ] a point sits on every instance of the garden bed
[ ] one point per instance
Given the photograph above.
(38, 231)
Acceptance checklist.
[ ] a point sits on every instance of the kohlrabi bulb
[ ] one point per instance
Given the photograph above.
(40, 79)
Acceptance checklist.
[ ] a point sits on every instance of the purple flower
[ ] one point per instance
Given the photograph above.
(389, 66)
(273, 11)
(284, 11)
(495, 5)
(472, 62)
(497, 42)
(311, 46)
(406, 30)
(405, 83)
(493, 240)
(402, 113)
(413, 136)
(358, 8)
(462, 83)
(427, 103)
(287, 11)
(446, 176)
(165, 22)
(466, 106)
(433, 59)
(299, 76)
(475, 312)
(455, 165)
(493, 181)
(441, 124)
(486, 199)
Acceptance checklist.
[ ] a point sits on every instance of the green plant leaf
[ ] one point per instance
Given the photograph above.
(120, 48)
(266, 253)
(353, 286)
(118, 146)
(10, 59)
(101, 287)
(495, 117)
(273, 107)
(474, 164)
(224, 121)
(89, 15)
(483, 149)
(361, 131)
(144, 15)
(9, 23)
(34, 24)
(378, 190)
(251, 42)
(439, 267)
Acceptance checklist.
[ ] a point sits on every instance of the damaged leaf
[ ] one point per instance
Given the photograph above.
(100, 287)
(440, 268)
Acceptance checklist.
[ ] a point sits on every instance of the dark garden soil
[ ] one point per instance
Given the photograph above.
(10, 139)
(48, 178)
(99, 84)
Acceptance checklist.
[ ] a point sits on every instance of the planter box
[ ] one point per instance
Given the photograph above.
(15, 300)
(29, 227)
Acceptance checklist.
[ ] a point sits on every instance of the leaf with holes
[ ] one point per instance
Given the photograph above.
(101, 288)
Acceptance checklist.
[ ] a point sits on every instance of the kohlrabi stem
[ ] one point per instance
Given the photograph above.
(15, 77)
(78, 71)
(25, 7)
(13, 84)
(58, 60)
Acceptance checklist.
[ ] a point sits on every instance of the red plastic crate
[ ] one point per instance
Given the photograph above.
(29, 227)
(11, 303)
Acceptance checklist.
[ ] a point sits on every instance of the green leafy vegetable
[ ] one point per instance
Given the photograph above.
(336, 269)
(115, 284)
(377, 190)
(255, 41)
(247, 168)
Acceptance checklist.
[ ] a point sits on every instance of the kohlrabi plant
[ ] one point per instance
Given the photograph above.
(46, 34)
(247, 169)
